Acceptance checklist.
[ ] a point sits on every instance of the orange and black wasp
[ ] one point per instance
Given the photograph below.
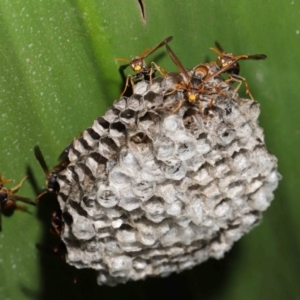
(8, 197)
(139, 65)
(51, 177)
(224, 59)
(195, 85)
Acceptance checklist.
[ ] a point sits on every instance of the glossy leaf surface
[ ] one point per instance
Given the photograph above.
(58, 72)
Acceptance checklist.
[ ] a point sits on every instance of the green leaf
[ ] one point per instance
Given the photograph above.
(58, 73)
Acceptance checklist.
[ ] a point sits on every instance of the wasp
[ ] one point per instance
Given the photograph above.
(56, 223)
(139, 65)
(8, 197)
(224, 59)
(194, 84)
(51, 177)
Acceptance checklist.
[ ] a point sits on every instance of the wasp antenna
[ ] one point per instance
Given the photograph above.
(123, 59)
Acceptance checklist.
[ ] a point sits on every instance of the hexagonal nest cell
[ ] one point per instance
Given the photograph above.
(150, 191)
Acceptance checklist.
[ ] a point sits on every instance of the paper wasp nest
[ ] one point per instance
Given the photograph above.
(149, 192)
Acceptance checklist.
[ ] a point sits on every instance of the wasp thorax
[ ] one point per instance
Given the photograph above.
(196, 81)
(226, 59)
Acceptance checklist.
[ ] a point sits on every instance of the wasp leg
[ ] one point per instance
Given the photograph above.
(19, 185)
(4, 181)
(201, 108)
(170, 93)
(240, 80)
(234, 92)
(178, 106)
(38, 197)
(129, 77)
(154, 67)
(219, 91)
(162, 71)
